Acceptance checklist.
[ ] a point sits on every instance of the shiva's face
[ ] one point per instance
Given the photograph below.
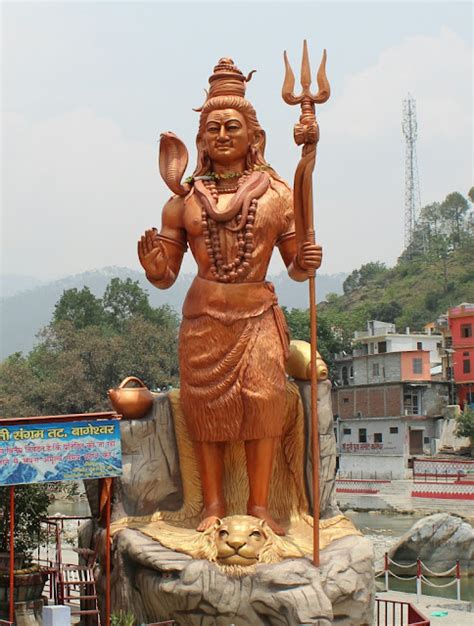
(226, 136)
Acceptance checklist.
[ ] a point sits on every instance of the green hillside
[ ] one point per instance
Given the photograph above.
(434, 273)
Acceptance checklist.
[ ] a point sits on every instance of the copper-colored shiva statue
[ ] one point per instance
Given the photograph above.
(232, 212)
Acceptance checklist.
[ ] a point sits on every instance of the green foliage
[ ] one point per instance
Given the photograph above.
(364, 275)
(124, 299)
(442, 228)
(330, 340)
(122, 618)
(31, 503)
(465, 423)
(89, 347)
(81, 308)
(434, 273)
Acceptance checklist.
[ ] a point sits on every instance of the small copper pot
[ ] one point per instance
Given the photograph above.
(131, 402)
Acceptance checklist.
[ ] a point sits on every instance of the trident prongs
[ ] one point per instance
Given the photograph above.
(287, 91)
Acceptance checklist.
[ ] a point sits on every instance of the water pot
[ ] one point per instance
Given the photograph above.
(131, 402)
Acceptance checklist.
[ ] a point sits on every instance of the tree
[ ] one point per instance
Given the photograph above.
(454, 210)
(365, 274)
(77, 361)
(81, 308)
(330, 342)
(31, 503)
(123, 299)
(465, 425)
(386, 311)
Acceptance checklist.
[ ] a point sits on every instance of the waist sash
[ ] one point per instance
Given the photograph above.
(231, 302)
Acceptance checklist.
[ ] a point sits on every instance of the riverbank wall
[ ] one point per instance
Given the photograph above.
(396, 496)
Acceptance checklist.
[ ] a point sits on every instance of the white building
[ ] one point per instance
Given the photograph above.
(382, 447)
(382, 337)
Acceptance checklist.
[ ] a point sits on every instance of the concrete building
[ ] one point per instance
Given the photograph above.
(382, 337)
(382, 447)
(457, 354)
(461, 325)
(388, 408)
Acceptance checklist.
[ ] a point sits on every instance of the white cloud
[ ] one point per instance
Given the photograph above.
(437, 71)
(76, 193)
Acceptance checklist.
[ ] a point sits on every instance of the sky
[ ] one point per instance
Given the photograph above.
(87, 88)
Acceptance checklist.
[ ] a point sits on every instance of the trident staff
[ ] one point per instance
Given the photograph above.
(306, 134)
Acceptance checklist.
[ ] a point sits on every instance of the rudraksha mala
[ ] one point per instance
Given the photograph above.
(239, 267)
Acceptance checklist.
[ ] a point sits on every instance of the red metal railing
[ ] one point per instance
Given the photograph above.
(391, 612)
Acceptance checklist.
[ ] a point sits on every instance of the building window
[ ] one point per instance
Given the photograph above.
(345, 400)
(351, 373)
(426, 439)
(465, 353)
(382, 347)
(375, 369)
(417, 366)
(466, 330)
(448, 342)
(412, 402)
(346, 431)
(466, 366)
(419, 345)
(377, 437)
(394, 430)
(362, 435)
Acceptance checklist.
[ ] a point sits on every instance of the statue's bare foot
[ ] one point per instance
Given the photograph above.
(211, 515)
(262, 513)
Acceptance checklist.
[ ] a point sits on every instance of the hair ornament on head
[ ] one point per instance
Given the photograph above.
(226, 80)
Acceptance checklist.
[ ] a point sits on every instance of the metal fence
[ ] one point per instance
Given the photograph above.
(443, 470)
(397, 613)
(420, 577)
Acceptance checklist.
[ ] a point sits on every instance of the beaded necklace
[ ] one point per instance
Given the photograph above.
(239, 267)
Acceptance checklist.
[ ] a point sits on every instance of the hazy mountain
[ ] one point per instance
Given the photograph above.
(26, 312)
(11, 284)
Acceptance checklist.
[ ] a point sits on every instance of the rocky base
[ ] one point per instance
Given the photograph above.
(162, 584)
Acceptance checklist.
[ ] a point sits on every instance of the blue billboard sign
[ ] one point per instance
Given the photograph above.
(59, 451)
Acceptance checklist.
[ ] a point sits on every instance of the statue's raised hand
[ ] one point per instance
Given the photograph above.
(152, 255)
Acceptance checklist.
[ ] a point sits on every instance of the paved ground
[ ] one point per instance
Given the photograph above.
(396, 496)
(430, 604)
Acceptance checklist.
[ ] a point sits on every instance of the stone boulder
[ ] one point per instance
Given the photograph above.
(439, 540)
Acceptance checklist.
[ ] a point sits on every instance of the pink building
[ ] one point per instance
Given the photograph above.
(461, 325)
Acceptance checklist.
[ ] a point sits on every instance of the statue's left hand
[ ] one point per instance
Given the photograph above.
(309, 256)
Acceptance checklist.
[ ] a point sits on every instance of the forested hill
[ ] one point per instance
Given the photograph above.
(434, 273)
(24, 313)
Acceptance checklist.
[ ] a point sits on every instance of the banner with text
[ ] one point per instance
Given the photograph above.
(56, 451)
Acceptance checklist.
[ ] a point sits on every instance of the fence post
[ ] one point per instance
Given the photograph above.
(458, 581)
(418, 579)
(386, 571)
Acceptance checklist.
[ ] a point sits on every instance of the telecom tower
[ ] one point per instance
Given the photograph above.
(412, 185)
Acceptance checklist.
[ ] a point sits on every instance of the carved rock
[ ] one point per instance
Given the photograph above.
(162, 584)
(158, 583)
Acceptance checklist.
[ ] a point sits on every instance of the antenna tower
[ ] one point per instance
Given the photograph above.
(412, 185)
